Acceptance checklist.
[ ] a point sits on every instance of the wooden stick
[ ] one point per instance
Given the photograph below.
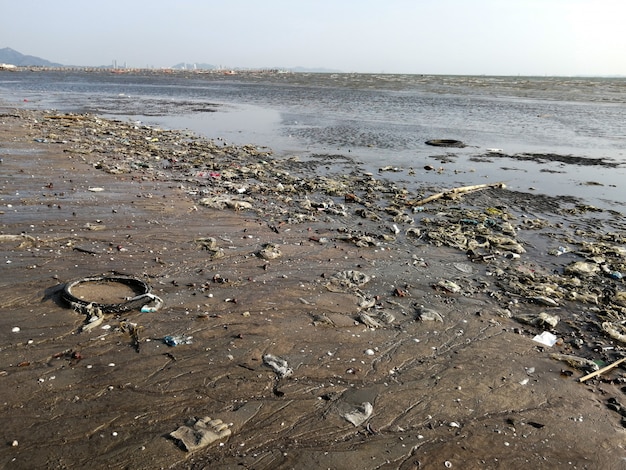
(454, 191)
(604, 369)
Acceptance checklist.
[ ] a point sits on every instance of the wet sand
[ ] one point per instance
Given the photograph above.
(471, 391)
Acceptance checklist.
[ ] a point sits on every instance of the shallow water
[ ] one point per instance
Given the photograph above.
(380, 120)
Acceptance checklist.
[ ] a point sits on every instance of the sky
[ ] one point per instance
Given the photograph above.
(458, 37)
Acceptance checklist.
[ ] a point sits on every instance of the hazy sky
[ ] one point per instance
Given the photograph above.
(491, 37)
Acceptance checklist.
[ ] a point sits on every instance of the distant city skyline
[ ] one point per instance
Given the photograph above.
(457, 37)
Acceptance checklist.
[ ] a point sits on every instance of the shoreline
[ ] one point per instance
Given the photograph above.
(474, 389)
(562, 154)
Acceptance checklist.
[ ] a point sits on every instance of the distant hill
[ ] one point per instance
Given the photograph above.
(10, 56)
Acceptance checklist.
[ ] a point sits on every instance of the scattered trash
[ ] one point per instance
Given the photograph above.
(575, 361)
(427, 314)
(546, 338)
(280, 366)
(270, 251)
(221, 202)
(177, 340)
(464, 268)
(197, 434)
(456, 192)
(561, 250)
(543, 300)
(581, 268)
(603, 370)
(540, 320)
(26, 241)
(347, 280)
(359, 415)
(95, 317)
(379, 319)
(449, 286)
(210, 244)
(615, 330)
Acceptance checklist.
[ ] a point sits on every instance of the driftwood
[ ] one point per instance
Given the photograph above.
(604, 369)
(456, 192)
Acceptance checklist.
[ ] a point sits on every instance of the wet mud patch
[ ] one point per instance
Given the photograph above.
(549, 157)
(127, 105)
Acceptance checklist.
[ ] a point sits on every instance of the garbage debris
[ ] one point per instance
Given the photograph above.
(456, 192)
(199, 433)
(359, 415)
(378, 319)
(540, 320)
(428, 314)
(603, 370)
(546, 338)
(575, 361)
(177, 340)
(280, 366)
(582, 268)
(347, 280)
(26, 241)
(615, 330)
(270, 251)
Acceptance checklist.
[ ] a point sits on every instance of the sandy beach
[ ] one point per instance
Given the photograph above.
(322, 317)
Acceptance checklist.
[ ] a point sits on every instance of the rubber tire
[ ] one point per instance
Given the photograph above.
(445, 143)
(136, 284)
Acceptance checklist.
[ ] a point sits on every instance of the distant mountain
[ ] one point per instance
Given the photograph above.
(10, 56)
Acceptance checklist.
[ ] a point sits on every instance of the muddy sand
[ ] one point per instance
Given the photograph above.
(313, 316)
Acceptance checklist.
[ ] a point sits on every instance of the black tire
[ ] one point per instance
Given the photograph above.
(83, 305)
(445, 143)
